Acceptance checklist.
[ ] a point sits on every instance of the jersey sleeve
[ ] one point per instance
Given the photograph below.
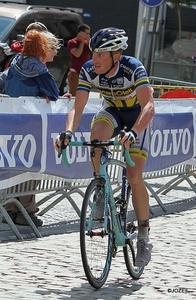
(141, 77)
(85, 81)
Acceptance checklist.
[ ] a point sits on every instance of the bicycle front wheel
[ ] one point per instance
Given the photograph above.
(96, 242)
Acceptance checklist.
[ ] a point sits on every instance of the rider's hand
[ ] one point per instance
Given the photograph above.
(127, 138)
(62, 141)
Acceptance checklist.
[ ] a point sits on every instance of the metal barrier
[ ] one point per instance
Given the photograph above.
(58, 189)
(5, 198)
(179, 173)
(54, 186)
(163, 85)
(166, 81)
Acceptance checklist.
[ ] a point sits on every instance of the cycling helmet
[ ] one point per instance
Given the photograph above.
(108, 39)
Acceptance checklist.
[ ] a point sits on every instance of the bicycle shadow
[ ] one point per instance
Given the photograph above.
(111, 290)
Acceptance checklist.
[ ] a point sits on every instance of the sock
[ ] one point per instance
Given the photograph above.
(143, 228)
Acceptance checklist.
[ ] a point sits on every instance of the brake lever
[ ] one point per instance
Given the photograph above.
(121, 134)
(59, 152)
(63, 146)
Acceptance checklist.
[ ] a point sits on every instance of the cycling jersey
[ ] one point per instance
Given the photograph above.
(118, 90)
(120, 106)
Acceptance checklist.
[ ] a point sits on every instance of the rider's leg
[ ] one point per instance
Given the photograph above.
(100, 130)
(140, 196)
(105, 124)
(140, 199)
(103, 131)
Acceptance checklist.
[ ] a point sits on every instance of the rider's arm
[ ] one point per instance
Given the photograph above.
(73, 119)
(146, 101)
(75, 114)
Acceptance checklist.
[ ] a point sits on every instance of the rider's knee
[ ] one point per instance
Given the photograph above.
(135, 178)
(100, 131)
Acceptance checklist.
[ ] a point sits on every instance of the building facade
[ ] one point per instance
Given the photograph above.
(101, 13)
(153, 32)
(165, 51)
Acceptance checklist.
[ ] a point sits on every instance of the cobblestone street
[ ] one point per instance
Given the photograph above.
(50, 267)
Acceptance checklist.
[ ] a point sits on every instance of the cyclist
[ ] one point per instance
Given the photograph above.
(128, 101)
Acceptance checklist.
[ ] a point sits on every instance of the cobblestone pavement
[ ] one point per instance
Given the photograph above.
(50, 267)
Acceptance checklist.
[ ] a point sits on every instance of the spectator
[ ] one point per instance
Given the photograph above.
(29, 76)
(18, 45)
(79, 54)
(16, 48)
(38, 26)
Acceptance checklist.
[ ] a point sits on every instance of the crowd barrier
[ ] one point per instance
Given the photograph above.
(58, 188)
(171, 82)
(163, 85)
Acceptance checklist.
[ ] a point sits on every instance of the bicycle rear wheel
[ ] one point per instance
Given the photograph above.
(131, 248)
(96, 244)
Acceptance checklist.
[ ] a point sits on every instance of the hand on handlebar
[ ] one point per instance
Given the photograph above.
(62, 141)
(127, 138)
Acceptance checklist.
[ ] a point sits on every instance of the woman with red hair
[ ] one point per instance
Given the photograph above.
(28, 74)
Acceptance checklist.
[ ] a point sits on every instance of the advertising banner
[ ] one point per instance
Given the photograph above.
(29, 126)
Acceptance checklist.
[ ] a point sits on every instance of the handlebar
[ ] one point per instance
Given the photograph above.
(98, 144)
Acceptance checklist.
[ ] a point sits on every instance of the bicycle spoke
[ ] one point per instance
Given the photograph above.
(96, 242)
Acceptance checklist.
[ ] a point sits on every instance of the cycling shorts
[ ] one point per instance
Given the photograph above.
(119, 119)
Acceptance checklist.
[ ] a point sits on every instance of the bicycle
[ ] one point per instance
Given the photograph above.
(100, 239)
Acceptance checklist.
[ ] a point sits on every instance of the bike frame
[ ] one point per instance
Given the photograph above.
(114, 228)
(120, 238)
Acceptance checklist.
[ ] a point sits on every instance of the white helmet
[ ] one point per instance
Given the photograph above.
(108, 39)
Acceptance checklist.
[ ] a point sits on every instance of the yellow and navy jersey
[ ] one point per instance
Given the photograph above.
(118, 90)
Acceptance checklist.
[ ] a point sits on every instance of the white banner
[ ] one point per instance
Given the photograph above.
(29, 126)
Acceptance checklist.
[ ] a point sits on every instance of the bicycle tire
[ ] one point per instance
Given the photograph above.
(96, 245)
(130, 249)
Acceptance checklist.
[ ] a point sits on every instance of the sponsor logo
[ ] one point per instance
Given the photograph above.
(17, 147)
(171, 142)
